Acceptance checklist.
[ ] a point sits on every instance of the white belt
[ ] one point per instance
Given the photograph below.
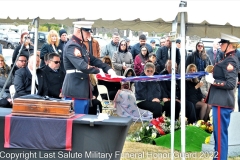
(73, 71)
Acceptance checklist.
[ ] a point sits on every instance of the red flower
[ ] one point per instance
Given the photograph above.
(160, 130)
(154, 122)
(161, 119)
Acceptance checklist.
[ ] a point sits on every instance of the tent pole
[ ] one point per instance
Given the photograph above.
(173, 84)
(183, 83)
(36, 23)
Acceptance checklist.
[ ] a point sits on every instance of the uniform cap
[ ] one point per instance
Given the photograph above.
(84, 25)
(225, 38)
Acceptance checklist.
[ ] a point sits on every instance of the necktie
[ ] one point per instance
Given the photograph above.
(214, 54)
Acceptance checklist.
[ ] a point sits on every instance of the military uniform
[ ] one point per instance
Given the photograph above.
(79, 64)
(221, 97)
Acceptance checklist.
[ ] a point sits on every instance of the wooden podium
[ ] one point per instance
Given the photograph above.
(43, 108)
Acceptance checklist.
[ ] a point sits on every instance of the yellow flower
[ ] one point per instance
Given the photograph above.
(207, 140)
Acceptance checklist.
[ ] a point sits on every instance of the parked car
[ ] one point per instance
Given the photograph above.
(9, 40)
(42, 38)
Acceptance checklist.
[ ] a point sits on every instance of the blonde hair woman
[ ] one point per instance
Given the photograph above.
(195, 95)
(95, 93)
(205, 87)
(4, 71)
(50, 46)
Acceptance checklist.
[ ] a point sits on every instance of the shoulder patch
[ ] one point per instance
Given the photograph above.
(77, 53)
(230, 67)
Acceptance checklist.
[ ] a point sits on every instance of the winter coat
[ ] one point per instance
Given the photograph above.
(118, 59)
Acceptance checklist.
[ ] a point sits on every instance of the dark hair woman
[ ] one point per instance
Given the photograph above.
(27, 47)
(140, 60)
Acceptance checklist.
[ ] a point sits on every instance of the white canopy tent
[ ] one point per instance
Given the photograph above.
(205, 18)
(152, 15)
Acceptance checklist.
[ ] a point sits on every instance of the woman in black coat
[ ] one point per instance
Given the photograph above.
(95, 102)
(27, 47)
(50, 46)
(195, 95)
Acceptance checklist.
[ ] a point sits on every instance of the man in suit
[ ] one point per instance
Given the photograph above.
(164, 53)
(21, 63)
(214, 52)
(23, 79)
(54, 76)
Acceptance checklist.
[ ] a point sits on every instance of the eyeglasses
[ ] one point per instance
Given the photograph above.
(149, 71)
(56, 62)
(123, 44)
(27, 37)
(200, 45)
(143, 50)
(23, 61)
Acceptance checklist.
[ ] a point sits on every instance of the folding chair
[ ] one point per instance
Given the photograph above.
(12, 91)
(140, 114)
(106, 103)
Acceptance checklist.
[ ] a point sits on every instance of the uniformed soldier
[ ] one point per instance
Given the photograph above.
(79, 64)
(223, 82)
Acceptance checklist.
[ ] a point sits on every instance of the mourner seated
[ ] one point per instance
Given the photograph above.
(195, 95)
(5, 100)
(95, 102)
(21, 63)
(23, 79)
(54, 75)
(125, 103)
(150, 92)
(190, 109)
(112, 87)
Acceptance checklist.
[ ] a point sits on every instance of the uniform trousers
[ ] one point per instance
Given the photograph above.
(81, 106)
(221, 120)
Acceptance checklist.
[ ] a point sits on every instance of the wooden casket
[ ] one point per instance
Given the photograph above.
(43, 108)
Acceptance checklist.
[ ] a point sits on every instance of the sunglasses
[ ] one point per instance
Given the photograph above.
(27, 37)
(149, 71)
(23, 61)
(143, 50)
(200, 45)
(56, 62)
(123, 44)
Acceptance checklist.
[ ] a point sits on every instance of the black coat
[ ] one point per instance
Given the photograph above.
(23, 82)
(149, 90)
(60, 49)
(54, 81)
(193, 95)
(77, 85)
(225, 73)
(167, 86)
(46, 49)
(162, 56)
(25, 52)
(192, 59)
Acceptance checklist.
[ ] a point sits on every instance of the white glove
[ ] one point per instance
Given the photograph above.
(209, 78)
(112, 73)
(102, 73)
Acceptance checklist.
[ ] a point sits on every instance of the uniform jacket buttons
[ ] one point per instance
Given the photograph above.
(81, 78)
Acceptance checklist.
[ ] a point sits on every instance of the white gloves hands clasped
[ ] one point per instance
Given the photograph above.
(102, 73)
(209, 78)
(112, 73)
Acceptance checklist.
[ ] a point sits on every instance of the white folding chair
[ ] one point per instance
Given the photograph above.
(12, 91)
(106, 103)
(140, 114)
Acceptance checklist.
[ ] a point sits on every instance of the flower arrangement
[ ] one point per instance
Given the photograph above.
(206, 126)
(150, 130)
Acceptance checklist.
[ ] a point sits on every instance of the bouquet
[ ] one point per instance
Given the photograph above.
(206, 126)
(150, 130)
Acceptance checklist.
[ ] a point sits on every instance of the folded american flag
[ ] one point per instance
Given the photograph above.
(38, 133)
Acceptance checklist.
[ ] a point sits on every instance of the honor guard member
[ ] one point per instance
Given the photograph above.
(79, 64)
(223, 82)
